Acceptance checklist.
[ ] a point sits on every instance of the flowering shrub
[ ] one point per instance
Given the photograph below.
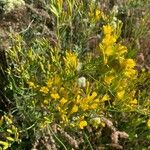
(61, 85)
(60, 90)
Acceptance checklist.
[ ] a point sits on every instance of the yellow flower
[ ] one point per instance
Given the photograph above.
(94, 94)
(109, 51)
(120, 94)
(84, 106)
(74, 109)
(98, 15)
(82, 124)
(107, 29)
(134, 102)
(31, 84)
(109, 79)
(49, 83)
(121, 49)
(57, 80)
(108, 40)
(64, 118)
(59, 3)
(95, 15)
(55, 95)
(44, 90)
(130, 63)
(148, 123)
(71, 61)
(105, 98)
(129, 72)
(63, 92)
(63, 101)
(93, 106)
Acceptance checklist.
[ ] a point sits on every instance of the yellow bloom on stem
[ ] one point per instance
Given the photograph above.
(74, 109)
(64, 118)
(94, 94)
(31, 85)
(129, 63)
(84, 106)
(134, 102)
(109, 51)
(57, 80)
(108, 40)
(105, 98)
(130, 72)
(49, 83)
(95, 15)
(63, 101)
(71, 61)
(98, 15)
(55, 96)
(82, 124)
(121, 49)
(44, 90)
(109, 79)
(59, 3)
(120, 94)
(93, 106)
(107, 29)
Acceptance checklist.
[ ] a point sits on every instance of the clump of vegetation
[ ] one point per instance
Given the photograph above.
(9, 5)
(79, 90)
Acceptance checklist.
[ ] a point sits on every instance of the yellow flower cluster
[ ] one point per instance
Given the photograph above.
(80, 105)
(71, 61)
(108, 79)
(120, 49)
(129, 67)
(88, 103)
(55, 96)
(82, 124)
(58, 97)
(108, 40)
(96, 16)
(44, 90)
(120, 94)
(69, 96)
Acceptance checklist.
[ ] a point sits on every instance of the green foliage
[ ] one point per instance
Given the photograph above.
(9, 132)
